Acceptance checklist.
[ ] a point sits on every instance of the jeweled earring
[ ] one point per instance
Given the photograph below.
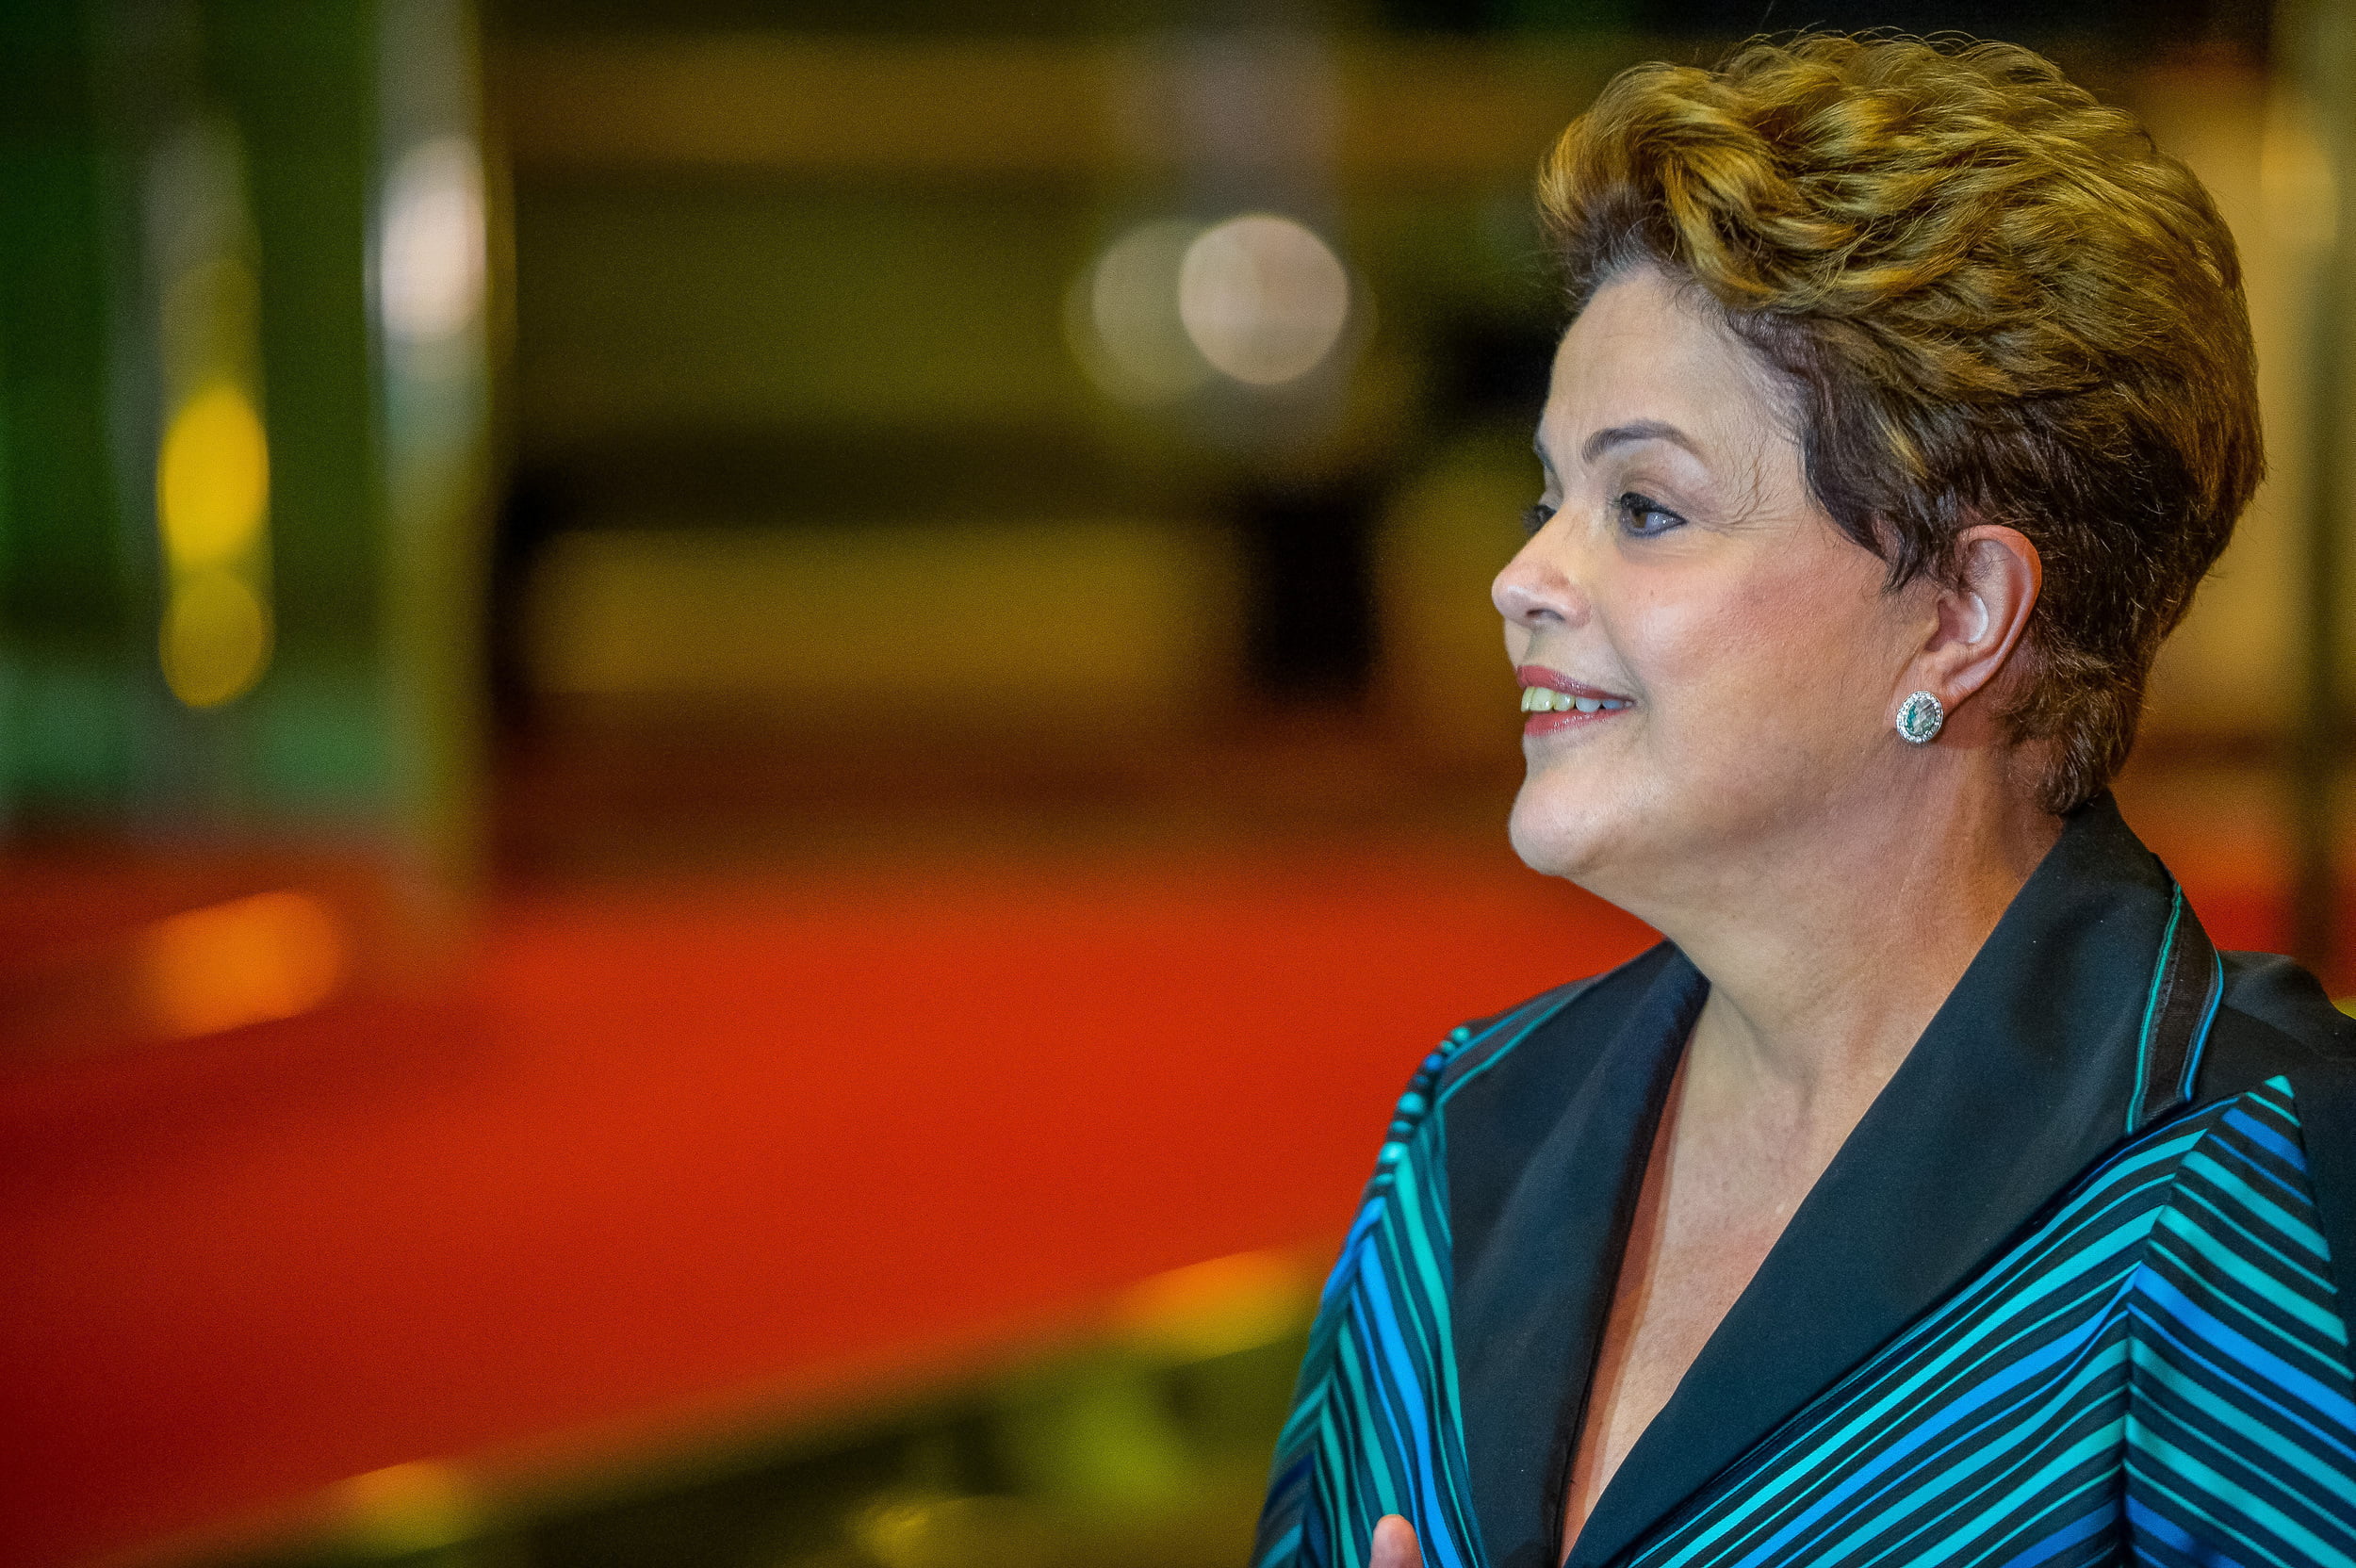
(1918, 718)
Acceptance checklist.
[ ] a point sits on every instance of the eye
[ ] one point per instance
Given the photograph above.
(1645, 518)
(1535, 517)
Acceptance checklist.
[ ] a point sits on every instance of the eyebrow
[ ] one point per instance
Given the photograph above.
(1619, 435)
(1641, 430)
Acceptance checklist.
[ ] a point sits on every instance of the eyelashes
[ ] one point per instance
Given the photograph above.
(1639, 515)
(1643, 516)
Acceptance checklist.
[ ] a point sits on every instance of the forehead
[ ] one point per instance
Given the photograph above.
(1643, 352)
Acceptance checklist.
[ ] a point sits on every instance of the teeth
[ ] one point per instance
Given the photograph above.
(1545, 699)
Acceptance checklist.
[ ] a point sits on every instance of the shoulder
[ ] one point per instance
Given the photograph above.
(1590, 1006)
(1575, 1020)
(1563, 1059)
(2273, 1020)
(1513, 1093)
(2238, 1340)
(2275, 1023)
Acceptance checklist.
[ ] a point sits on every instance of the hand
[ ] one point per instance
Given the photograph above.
(1395, 1543)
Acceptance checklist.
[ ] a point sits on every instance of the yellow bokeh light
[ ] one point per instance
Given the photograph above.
(247, 962)
(212, 479)
(1220, 1307)
(216, 638)
(424, 1505)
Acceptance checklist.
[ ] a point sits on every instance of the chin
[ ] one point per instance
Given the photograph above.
(1611, 832)
(1557, 839)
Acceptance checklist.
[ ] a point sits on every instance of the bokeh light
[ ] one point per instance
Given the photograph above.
(430, 268)
(249, 960)
(1220, 1307)
(423, 1505)
(213, 462)
(212, 479)
(216, 637)
(1263, 298)
(1125, 326)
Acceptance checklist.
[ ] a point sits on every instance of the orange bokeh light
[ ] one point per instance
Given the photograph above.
(249, 960)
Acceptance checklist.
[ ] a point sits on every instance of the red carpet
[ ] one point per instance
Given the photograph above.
(656, 1154)
(653, 1158)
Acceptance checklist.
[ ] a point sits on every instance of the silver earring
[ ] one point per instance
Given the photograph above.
(1918, 718)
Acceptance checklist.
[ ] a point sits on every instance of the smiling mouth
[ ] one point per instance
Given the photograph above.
(1545, 699)
(1554, 703)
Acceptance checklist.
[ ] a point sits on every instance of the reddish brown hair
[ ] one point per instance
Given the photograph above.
(1994, 300)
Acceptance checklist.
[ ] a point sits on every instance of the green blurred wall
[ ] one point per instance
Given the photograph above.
(348, 735)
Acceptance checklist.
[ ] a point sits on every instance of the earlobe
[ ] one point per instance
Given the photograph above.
(1978, 622)
(1919, 718)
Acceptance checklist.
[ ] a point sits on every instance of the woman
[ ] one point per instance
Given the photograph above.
(1936, 1193)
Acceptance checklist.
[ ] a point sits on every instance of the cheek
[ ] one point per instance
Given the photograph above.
(1765, 649)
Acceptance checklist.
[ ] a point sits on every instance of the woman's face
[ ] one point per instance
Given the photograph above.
(1739, 653)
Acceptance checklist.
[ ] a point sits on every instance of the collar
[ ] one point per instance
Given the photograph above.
(2081, 1017)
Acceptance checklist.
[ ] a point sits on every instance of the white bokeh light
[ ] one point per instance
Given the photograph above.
(1263, 298)
(430, 261)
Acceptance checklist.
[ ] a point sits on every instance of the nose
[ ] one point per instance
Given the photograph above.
(1535, 590)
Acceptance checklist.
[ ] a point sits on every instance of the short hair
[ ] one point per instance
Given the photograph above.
(1994, 300)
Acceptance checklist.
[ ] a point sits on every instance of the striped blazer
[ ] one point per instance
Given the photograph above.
(2069, 1295)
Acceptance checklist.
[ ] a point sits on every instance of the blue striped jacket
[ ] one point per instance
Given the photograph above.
(2066, 1295)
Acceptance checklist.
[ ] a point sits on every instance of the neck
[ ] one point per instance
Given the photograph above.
(1829, 947)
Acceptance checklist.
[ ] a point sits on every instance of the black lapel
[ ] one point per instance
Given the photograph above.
(2025, 1075)
(1539, 1205)
(2186, 988)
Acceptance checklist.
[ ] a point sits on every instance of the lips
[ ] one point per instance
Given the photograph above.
(1544, 699)
(1554, 702)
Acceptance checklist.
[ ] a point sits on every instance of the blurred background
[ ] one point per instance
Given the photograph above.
(741, 741)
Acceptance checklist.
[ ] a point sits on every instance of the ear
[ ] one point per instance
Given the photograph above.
(1980, 620)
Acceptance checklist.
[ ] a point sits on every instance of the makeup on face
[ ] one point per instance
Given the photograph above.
(1555, 703)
